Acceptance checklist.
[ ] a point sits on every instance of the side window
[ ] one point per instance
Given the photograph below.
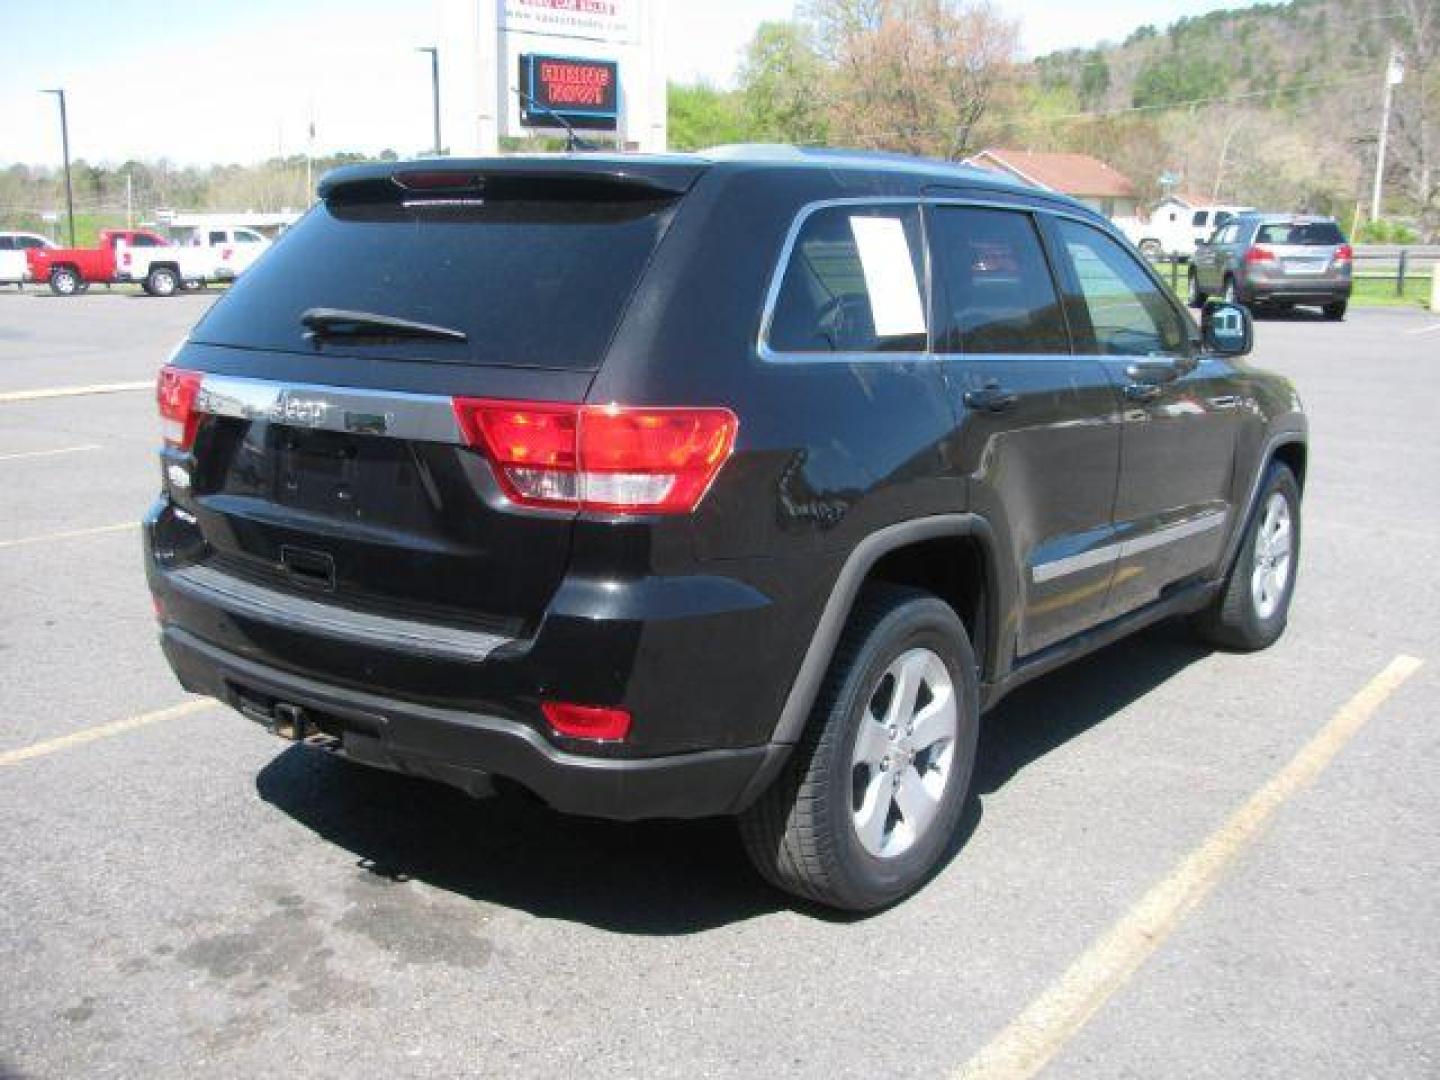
(244, 236)
(1128, 312)
(999, 296)
(143, 240)
(8, 243)
(1201, 216)
(25, 243)
(853, 284)
(217, 237)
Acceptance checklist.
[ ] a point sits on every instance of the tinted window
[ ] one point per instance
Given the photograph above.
(143, 240)
(999, 293)
(532, 281)
(1128, 312)
(1201, 216)
(243, 236)
(217, 237)
(25, 243)
(1308, 233)
(853, 284)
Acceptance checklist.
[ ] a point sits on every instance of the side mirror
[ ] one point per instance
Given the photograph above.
(1227, 329)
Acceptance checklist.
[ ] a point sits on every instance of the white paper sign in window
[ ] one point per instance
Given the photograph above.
(895, 304)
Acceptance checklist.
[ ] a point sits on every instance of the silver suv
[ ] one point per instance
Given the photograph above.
(1275, 259)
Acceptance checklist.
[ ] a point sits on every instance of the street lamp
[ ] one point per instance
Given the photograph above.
(65, 148)
(434, 87)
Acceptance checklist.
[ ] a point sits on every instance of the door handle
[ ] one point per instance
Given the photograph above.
(1137, 391)
(991, 398)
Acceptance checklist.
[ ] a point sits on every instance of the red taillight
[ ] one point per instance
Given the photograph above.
(1259, 254)
(600, 457)
(1344, 253)
(586, 721)
(175, 393)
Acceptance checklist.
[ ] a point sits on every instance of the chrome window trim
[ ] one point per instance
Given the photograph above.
(920, 202)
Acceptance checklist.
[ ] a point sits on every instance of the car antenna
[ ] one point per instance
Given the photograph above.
(573, 141)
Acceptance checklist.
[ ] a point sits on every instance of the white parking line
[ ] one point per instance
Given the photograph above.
(26, 454)
(1034, 1037)
(74, 391)
(103, 731)
(69, 534)
(1425, 329)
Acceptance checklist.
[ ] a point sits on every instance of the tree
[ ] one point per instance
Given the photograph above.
(783, 86)
(912, 75)
(700, 116)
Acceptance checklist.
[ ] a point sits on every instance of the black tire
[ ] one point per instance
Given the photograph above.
(1234, 619)
(64, 281)
(1336, 312)
(162, 281)
(1196, 298)
(800, 834)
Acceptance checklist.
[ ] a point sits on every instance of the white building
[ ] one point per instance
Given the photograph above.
(508, 66)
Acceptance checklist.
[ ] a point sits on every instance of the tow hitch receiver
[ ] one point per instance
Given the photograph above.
(279, 718)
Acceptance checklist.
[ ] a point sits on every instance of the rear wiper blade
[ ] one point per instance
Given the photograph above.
(335, 322)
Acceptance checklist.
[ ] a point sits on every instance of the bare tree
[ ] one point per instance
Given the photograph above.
(912, 75)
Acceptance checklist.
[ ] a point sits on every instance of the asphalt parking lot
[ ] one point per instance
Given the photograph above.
(181, 894)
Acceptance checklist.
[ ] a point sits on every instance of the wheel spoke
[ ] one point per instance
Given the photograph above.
(874, 811)
(871, 741)
(917, 805)
(936, 721)
(908, 674)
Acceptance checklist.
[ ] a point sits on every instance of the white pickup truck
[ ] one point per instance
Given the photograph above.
(235, 248)
(163, 269)
(1174, 230)
(14, 267)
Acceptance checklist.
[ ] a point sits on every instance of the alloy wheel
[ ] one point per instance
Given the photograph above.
(1274, 553)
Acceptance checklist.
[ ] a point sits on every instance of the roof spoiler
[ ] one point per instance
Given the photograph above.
(631, 177)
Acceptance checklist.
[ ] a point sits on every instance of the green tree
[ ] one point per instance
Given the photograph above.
(783, 86)
(700, 115)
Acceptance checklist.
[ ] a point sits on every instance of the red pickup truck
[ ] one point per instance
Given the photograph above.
(122, 255)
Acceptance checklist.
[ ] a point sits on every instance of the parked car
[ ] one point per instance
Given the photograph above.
(233, 248)
(122, 255)
(14, 266)
(696, 485)
(1279, 260)
(1173, 230)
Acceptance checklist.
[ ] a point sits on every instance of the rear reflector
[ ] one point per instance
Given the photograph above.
(175, 392)
(586, 721)
(1344, 253)
(600, 457)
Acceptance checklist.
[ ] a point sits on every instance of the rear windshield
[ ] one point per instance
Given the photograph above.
(1307, 233)
(530, 282)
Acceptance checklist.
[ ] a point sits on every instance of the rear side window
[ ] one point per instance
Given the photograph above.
(533, 277)
(853, 284)
(1303, 233)
(1128, 313)
(1000, 297)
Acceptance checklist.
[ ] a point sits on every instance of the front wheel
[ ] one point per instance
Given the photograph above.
(1252, 609)
(868, 804)
(64, 281)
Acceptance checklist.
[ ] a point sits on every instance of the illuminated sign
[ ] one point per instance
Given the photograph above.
(584, 93)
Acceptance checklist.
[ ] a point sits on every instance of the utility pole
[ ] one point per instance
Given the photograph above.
(1394, 75)
(434, 88)
(129, 201)
(65, 148)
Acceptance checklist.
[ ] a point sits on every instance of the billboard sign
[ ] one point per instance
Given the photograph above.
(585, 93)
(596, 20)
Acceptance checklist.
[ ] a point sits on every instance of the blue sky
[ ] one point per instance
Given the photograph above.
(205, 80)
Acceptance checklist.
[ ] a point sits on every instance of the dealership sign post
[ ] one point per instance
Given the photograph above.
(540, 67)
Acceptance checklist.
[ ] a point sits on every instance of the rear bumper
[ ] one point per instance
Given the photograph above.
(1297, 292)
(467, 749)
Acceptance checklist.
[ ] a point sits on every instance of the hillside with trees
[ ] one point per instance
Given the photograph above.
(1275, 105)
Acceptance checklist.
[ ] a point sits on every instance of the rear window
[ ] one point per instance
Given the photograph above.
(1307, 233)
(531, 281)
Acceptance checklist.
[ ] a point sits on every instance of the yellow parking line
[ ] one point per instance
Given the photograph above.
(25, 454)
(1034, 1037)
(74, 391)
(103, 731)
(69, 534)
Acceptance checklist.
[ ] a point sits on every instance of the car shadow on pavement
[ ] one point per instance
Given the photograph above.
(656, 878)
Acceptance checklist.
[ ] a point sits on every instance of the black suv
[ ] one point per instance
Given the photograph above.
(697, 485)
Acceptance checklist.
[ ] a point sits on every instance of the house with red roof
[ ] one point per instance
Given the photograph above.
(1092, 181)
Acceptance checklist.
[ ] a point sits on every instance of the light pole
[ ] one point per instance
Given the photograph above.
(65, 148)
(1394, 75)
(434, 88)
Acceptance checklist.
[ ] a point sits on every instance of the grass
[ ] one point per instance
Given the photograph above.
(1380, 291)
